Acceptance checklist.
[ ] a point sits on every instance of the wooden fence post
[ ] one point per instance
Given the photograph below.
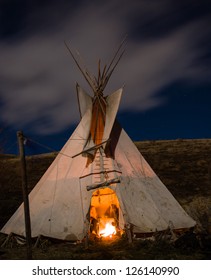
(25, 194)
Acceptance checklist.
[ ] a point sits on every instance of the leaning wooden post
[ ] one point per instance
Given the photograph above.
(25, 194)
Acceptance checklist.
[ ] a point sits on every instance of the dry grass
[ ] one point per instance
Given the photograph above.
(117, 249)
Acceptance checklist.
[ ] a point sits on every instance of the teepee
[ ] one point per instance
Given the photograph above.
(99, 179)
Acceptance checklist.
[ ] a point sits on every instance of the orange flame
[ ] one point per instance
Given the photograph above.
(108, 230)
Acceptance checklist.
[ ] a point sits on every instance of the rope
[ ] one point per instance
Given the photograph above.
(47, 147)
(41, 145)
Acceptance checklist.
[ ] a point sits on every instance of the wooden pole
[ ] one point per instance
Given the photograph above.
(128, 229)
(25, 194)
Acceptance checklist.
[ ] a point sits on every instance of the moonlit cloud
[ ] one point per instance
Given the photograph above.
(37, 75)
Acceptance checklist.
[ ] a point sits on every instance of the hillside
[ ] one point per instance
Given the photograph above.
(184, 166)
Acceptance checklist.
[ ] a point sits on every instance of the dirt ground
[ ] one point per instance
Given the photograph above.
(187, 247)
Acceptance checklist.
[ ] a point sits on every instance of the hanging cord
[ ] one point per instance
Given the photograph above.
(47, 147)
(41, 145)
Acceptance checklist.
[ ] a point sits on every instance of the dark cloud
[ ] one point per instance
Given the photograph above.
(167, 42)
(165, 16)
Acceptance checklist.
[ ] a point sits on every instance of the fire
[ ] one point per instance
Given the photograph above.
(108, 230)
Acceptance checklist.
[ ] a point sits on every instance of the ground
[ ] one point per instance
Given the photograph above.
(184, 166)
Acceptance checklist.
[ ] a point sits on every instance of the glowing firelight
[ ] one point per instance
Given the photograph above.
(109, 230)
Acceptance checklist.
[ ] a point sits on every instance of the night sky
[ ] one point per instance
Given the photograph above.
(165, 70)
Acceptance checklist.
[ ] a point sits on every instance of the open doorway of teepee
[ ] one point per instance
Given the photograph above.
(104, 214)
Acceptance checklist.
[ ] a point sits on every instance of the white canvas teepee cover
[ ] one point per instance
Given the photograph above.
(60, 202)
